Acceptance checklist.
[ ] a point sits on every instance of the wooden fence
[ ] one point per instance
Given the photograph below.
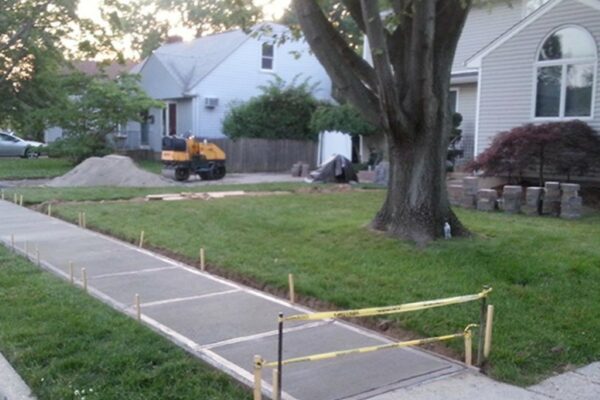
(254, 155)
(265, 155)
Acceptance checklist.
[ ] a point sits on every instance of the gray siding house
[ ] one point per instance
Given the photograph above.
(199, 80)
(542, 69)
(524, 61)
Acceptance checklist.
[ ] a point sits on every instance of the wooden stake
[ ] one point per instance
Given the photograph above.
(2, 193)
(71, 272)
(50, 209)
(141, 239)
(274, 384)
(138, 309)
(83, 220)
(488, 331)
(12, 242)
(202, 266)
(257, 378)
(15, 199)
(292, 290)
(80, 219)
(21, 200)
(37, 255)
(84, 277)
(468, 349)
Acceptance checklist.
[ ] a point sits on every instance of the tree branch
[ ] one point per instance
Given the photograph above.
(352, 75)
(353, 7)
(394, 118)
(23, 32)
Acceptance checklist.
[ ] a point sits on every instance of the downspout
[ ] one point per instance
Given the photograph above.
(477, 111)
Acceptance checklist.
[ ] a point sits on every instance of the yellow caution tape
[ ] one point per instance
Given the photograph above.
(335, 354)
(369, 312)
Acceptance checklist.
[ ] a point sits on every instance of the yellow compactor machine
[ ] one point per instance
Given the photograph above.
(183, 157)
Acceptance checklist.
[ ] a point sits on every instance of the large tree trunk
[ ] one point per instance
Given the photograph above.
(405, 92)
(416, 205)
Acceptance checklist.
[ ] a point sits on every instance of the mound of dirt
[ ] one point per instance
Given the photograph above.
(112, 170)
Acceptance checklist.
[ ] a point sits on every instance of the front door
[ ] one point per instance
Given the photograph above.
(172, 119)
(145, 129)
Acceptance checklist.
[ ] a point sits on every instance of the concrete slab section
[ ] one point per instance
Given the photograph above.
(98, 255)
(591, 371)
(60, 243)
(157, 285)
(12, 387)
(30, 231)
(219, 318)
(569, 386)
(355, 376)
(465, 385)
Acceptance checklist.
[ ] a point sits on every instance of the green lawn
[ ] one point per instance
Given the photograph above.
(62, 341)
(544, 271)
(19, 168)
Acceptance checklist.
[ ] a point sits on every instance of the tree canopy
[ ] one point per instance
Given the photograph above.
(92, 109)
(341, 118)
(37, 39)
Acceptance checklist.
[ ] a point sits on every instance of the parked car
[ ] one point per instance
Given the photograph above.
(14, 146)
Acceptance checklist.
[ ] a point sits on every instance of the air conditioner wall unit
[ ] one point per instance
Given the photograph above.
(211, 102)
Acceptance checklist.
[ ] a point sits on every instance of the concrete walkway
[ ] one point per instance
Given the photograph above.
(220, 321)
(12, 386)
(226, 324)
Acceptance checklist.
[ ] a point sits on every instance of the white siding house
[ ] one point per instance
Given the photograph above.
(199, 80)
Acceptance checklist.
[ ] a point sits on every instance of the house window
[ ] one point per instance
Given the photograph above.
(267, 57)
(453, 100)
(565, 73)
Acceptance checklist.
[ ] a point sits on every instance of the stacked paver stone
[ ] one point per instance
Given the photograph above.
(554, 198)
(551, 201)
(469, 197)
(570, 202)
(304, 170)
(533, 200)
(511, 199)
(296, 169)
(486, 199)
(455, 194)
(300, 169)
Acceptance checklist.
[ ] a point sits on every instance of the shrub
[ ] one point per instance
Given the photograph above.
(76, 147)
(567, 148)
(455, 149)
(280, 112)
(344, 118)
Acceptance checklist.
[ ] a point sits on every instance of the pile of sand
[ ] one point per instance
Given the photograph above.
(112, 170)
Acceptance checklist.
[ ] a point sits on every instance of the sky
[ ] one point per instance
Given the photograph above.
(272, 9)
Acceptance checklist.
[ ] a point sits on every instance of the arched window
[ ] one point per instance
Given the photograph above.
(566, 71)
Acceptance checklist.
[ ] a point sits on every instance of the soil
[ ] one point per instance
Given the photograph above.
(112, 170)
(591, 196)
